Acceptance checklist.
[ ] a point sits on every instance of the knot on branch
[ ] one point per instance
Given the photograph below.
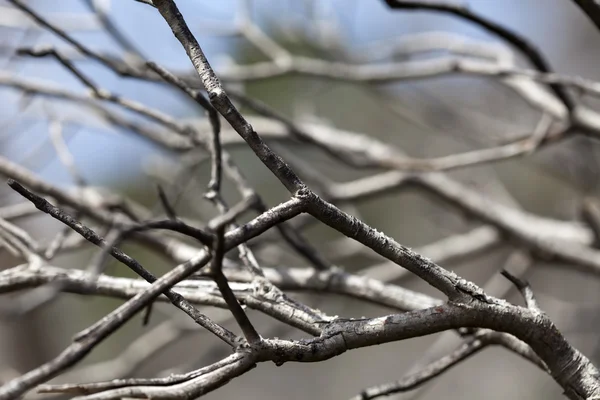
(241, 345)
(265, 290)
(474, 293)
(305, 194)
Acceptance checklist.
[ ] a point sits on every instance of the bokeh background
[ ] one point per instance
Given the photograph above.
(424, 118)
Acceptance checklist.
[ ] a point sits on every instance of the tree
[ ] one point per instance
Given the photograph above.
(238, 258)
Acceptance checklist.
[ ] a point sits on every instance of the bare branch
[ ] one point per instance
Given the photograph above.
(216, 272)
(123, 69)
(207, 275)
(525, 290)
(592, 9)
(425, 374)
(519, 42)
(92, 237)
(89, 338)
(220, 100)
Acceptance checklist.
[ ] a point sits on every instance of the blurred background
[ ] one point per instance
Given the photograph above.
(427, 117)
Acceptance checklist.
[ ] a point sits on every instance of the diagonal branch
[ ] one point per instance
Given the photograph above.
(591, 8)
(86, 340)
(517, 41)
(177, 300)
(221, 101)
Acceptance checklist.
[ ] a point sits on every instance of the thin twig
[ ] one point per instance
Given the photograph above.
(177, 300)
(122, 69)
(517, 41)
(525, 290)
(216, 272)
(93, 335)
(291, 236)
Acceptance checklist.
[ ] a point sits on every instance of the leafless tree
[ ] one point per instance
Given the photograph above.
(239, 259)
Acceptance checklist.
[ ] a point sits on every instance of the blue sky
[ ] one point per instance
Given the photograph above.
(102, 156)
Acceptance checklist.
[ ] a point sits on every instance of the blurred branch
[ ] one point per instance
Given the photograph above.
(197, 384)
(89, 338)
(519, 42)
(204, 292)
(94, 238)
(426, 373)
(590, 212)
(9, 17)
(135, 355)
(476, 313)
(122, 69)
(290, 279)
(100, 9)
(591, 8)
(457, 290)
